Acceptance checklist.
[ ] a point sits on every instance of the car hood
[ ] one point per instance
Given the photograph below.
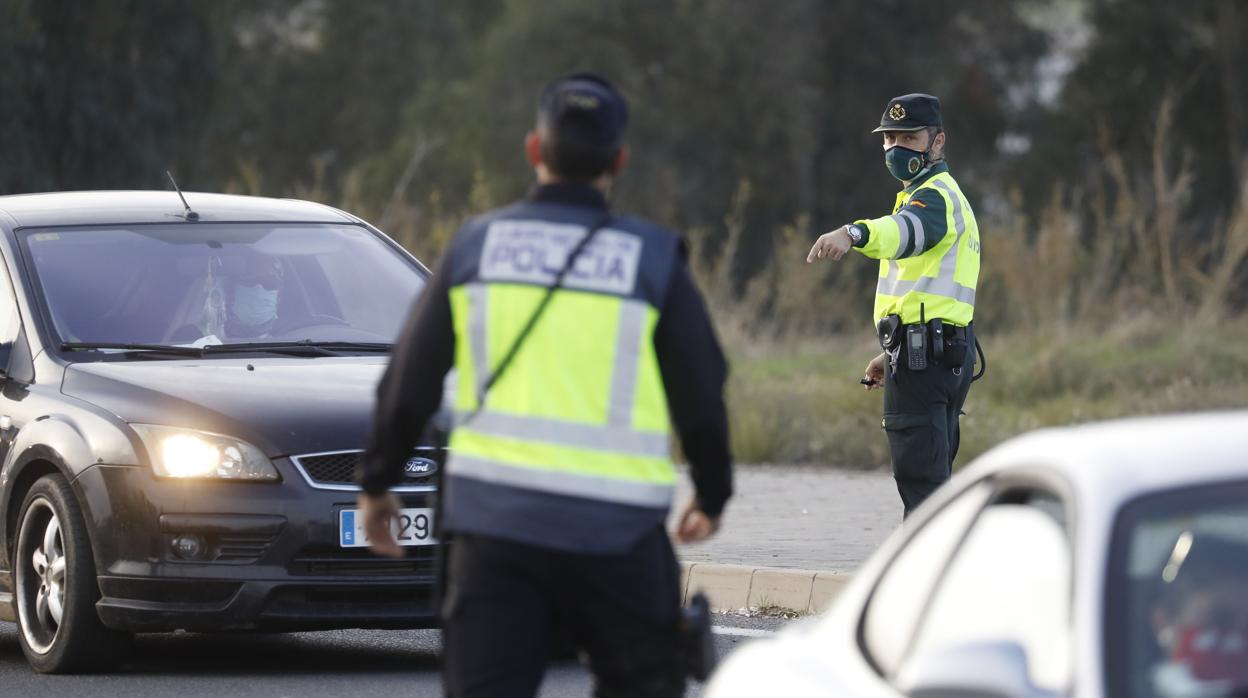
(284, 406)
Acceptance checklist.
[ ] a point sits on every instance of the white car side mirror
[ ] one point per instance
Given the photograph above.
(982, 670)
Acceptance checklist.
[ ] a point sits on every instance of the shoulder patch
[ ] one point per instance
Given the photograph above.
(927, 197)
(533, 251)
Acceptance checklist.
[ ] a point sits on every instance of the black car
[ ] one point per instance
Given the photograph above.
(185, 395)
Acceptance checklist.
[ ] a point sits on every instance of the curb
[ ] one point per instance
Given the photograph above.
(734, 587)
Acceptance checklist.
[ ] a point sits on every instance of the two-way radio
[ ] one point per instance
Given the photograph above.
(916, 343)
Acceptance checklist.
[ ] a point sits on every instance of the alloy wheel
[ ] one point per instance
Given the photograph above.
(41, 577)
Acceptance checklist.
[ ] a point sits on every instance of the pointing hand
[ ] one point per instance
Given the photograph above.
(834, 245)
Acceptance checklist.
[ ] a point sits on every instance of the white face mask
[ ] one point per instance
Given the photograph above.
(254, 305)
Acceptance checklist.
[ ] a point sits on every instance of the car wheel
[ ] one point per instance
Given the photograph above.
(56, 590)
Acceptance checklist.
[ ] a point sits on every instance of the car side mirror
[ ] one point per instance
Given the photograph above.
(983, 670)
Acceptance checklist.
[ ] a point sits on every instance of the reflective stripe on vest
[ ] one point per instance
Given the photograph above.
(561, 433)
(910, 232)
(574, 415)
(944, 292)
(641, 494)
(630, 327)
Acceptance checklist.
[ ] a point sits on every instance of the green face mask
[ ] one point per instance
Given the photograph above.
(905, 164)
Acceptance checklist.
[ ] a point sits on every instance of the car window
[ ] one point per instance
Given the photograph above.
(1179, 618)
(1009, 582)
(899, 597)
(217, 282)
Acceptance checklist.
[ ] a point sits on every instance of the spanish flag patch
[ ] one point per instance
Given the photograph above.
(918, 203)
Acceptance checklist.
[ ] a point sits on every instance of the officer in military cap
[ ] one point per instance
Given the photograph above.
(929, 256)
(577, 337)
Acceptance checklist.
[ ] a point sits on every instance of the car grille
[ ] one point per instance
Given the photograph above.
(238, 548)
(198, 591)
(338, 470)
(300, 604)
(362, 562)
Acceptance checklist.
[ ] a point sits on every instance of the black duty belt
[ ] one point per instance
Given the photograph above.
(891, 331)
(951, 332)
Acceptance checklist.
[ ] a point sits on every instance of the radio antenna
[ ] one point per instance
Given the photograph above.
(189, 215)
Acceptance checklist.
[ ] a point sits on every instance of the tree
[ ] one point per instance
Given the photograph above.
(101, 95)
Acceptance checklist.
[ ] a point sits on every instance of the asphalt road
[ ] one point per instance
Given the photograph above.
(353, 663)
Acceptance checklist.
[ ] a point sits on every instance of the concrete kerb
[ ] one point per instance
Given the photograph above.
(734, 587)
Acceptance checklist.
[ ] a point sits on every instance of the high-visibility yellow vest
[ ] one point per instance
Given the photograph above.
(943, 279)
(580, 417)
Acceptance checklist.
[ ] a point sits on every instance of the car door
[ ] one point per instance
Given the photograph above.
(985, 582)
(978, 583)
(15, 363)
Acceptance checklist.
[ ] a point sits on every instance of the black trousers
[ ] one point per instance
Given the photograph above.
(921, 410)
(508, 605)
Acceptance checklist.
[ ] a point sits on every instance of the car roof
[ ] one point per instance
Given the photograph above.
(1119, 460)
(116, 207)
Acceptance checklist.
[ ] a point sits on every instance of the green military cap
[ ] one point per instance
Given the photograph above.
(910, 113)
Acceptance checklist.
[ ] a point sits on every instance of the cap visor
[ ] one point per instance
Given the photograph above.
(899, 128)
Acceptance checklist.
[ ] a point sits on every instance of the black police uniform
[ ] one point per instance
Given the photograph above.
(921, 411)
(517, 584)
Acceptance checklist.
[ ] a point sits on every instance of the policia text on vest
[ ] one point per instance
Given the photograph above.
(929, 252)
(578, 340)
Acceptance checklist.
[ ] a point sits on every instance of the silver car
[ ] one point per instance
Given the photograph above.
(1100, 560)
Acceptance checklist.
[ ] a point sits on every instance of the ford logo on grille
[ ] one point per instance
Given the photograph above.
(419, 467)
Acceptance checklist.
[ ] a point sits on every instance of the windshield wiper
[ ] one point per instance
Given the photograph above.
(291, 348)
(351, 346)
(153, 348)
(299, 348)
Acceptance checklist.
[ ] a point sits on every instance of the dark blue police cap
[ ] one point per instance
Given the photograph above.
(910, 113)
(583, 107)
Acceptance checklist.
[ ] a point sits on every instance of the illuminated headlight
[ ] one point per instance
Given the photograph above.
(186, 453)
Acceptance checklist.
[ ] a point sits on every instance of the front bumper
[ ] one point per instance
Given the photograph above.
(271, 558)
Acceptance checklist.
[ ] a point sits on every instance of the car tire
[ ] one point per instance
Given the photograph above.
(55, 588)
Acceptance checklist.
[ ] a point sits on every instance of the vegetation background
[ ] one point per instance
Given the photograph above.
(1103, 144)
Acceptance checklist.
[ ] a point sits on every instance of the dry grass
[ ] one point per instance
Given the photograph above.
(801, 403)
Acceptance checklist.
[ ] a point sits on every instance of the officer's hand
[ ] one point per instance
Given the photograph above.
(694, 525)
(378, 513)
(875, 372)
(834, 244)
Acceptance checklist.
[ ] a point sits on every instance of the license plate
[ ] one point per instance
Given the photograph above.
(414, 527)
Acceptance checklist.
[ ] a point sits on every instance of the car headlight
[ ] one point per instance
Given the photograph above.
(188, 453)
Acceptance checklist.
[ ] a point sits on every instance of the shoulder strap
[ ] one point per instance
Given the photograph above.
(537, 313)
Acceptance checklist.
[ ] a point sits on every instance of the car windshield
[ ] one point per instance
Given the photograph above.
(1181, 595)
(221, 283)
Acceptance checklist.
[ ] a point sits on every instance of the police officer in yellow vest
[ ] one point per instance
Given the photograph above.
(577, 336)
(925, 299)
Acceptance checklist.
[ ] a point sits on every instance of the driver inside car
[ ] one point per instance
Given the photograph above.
(241, 297)
(252, 298)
